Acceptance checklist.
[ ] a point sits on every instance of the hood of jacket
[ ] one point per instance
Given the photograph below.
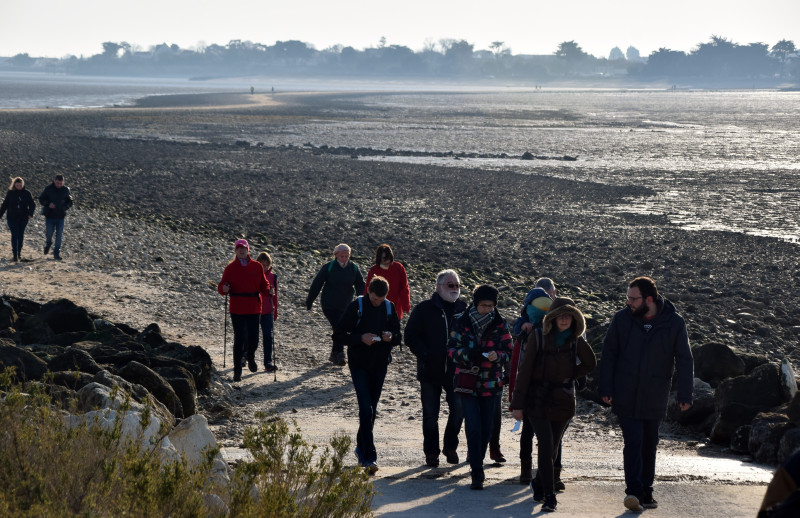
(578, 321)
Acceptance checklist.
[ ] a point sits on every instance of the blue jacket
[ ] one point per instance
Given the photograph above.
(637, 365)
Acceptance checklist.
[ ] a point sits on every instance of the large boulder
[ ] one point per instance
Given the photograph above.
(8, 316)
(793, 411)
(193, 438)
(34, 330)
(143, 375)
(713, 362)
(63, 316)
(703, 405)
(762, 389)
(182, 382)
(729, 418)
(130, 422)
(788, 380)
(74, 359)
(73, 380)
(28, 366)
(752, 360)
(740, 441)
(765, 436)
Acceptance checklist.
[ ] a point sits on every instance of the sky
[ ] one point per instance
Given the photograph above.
(56, 28)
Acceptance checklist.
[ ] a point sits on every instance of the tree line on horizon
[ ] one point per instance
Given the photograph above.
(718, 59)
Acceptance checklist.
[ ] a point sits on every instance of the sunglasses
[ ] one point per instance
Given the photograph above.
(452, 285)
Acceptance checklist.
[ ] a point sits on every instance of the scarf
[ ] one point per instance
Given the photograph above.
(479, 322)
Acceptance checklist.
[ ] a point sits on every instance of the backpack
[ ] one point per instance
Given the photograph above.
(330, 266)
(360, 300)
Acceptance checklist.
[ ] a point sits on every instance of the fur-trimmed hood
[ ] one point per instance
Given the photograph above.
(562, 306)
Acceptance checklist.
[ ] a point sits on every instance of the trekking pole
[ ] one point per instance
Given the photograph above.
(274, 361)
(225, 339)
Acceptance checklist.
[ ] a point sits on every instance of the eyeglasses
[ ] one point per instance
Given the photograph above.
(631, 299)
(453, 285)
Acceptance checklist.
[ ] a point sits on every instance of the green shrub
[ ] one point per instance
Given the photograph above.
(49, 468)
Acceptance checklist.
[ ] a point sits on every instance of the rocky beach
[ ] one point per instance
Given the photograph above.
(163, 190)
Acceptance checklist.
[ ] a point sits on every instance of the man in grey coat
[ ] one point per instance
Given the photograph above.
(645, 344)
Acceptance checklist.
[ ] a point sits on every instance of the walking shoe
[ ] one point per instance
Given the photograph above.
(496, 455)
(237, 376)
(476, 484)
(270, 368)
(252, 365)
(451, 456)
(432, 460)
(648, 502)
(337, 358)
(558, 485)
(537, 490)
(371, 468)
(525, 472)
(550, 503)
(46, 248)
(243, 361)
(57, 257)
(632, 502)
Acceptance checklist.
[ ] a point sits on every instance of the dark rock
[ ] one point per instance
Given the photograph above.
(751, 361)
(790, 442)
(36, 331)
(67, 339)
(8, 316)
(761, 389)
(74, 359)
(151, 336)
(63, 316)
(182, 382)
(703, 405)
(765, 436)
(714, 362)
(143, 375)
(793, 411)
(740, 440)
(28, 366)
(71, 379)
(729, 418)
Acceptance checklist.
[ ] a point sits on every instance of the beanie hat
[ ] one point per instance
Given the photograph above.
(241, 242)
(484, 292)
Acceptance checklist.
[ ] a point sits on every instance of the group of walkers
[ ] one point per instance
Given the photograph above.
(18, 204)
(466, 352)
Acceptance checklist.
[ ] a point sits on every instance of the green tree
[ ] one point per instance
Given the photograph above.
(570, 51)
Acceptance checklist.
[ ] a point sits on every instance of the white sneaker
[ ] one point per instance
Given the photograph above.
(632, 502)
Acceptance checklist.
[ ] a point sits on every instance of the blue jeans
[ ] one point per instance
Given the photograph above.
(245, 339)
(368, 384)
(267, 327)
(51, 224)
(478, 423)
(639, 454)
(430, 395)
(17, 228)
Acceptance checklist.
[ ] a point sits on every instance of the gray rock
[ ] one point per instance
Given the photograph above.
(28, 366)
(143, 375)
(74, 359)
(790, 442)
(765, 436)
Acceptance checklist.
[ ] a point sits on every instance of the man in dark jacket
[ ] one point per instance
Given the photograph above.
(645, 343)
(339, 281)
(426, 334)
(369, 328)
(56, 200)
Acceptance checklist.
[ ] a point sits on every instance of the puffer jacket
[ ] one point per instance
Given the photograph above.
(427, 333)
(19, 204)
(637, 363)
(61, 198)
(545, 383)
(466, 351)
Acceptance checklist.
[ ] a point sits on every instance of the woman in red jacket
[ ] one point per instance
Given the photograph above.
(269, 311)
(244, 280)
(385, 266)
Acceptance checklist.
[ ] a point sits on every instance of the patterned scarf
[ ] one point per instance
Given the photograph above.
(480, 322)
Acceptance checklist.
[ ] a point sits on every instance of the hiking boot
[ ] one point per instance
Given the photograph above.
(550, 503)
(537, 490)
(525, 471)
(632, 502)
(477, 483)
(432, 460)
(496, 455)
(338, 358)
(648, 502)
(46, 248)
(558, 485)
(270, 368)
(451, 456)
(371, 468)
(252, 365)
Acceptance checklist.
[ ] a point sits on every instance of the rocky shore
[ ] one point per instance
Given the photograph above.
(161, 194)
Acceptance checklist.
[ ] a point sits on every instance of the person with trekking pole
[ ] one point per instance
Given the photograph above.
(269, 313)
(244, 281)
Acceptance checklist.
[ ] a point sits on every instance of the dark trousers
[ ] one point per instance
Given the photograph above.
(494, 440)
(245, 339)
(333, 316)
(431, 394)
(639, 454)
(368, 384)
(549, 435)
(17, 228)
(478, 423)
(526, 444)
(267, 331)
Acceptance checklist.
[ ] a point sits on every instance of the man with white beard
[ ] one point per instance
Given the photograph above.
(426, 334)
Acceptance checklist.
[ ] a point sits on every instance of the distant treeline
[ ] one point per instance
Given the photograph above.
(719, 59)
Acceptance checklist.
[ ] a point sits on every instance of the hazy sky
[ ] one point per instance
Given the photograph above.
(59, 27)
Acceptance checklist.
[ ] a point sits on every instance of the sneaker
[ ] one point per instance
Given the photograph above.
(632, 502)
(648, 502)
(432, 460)
(451, 456)
(537, 490)
(270, 368)
(371, 468)
(252, 365)
(46, 248)
(550, 503)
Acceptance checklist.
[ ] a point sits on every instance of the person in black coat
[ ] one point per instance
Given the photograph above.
(20, 207)
(427, 334)
(370, 328)
(56, 200)
(645, 344)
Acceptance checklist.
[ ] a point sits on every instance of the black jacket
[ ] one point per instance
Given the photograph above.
(427, 333)
(373, 320)
(61, 198)
(637, 364)
(19, 204)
